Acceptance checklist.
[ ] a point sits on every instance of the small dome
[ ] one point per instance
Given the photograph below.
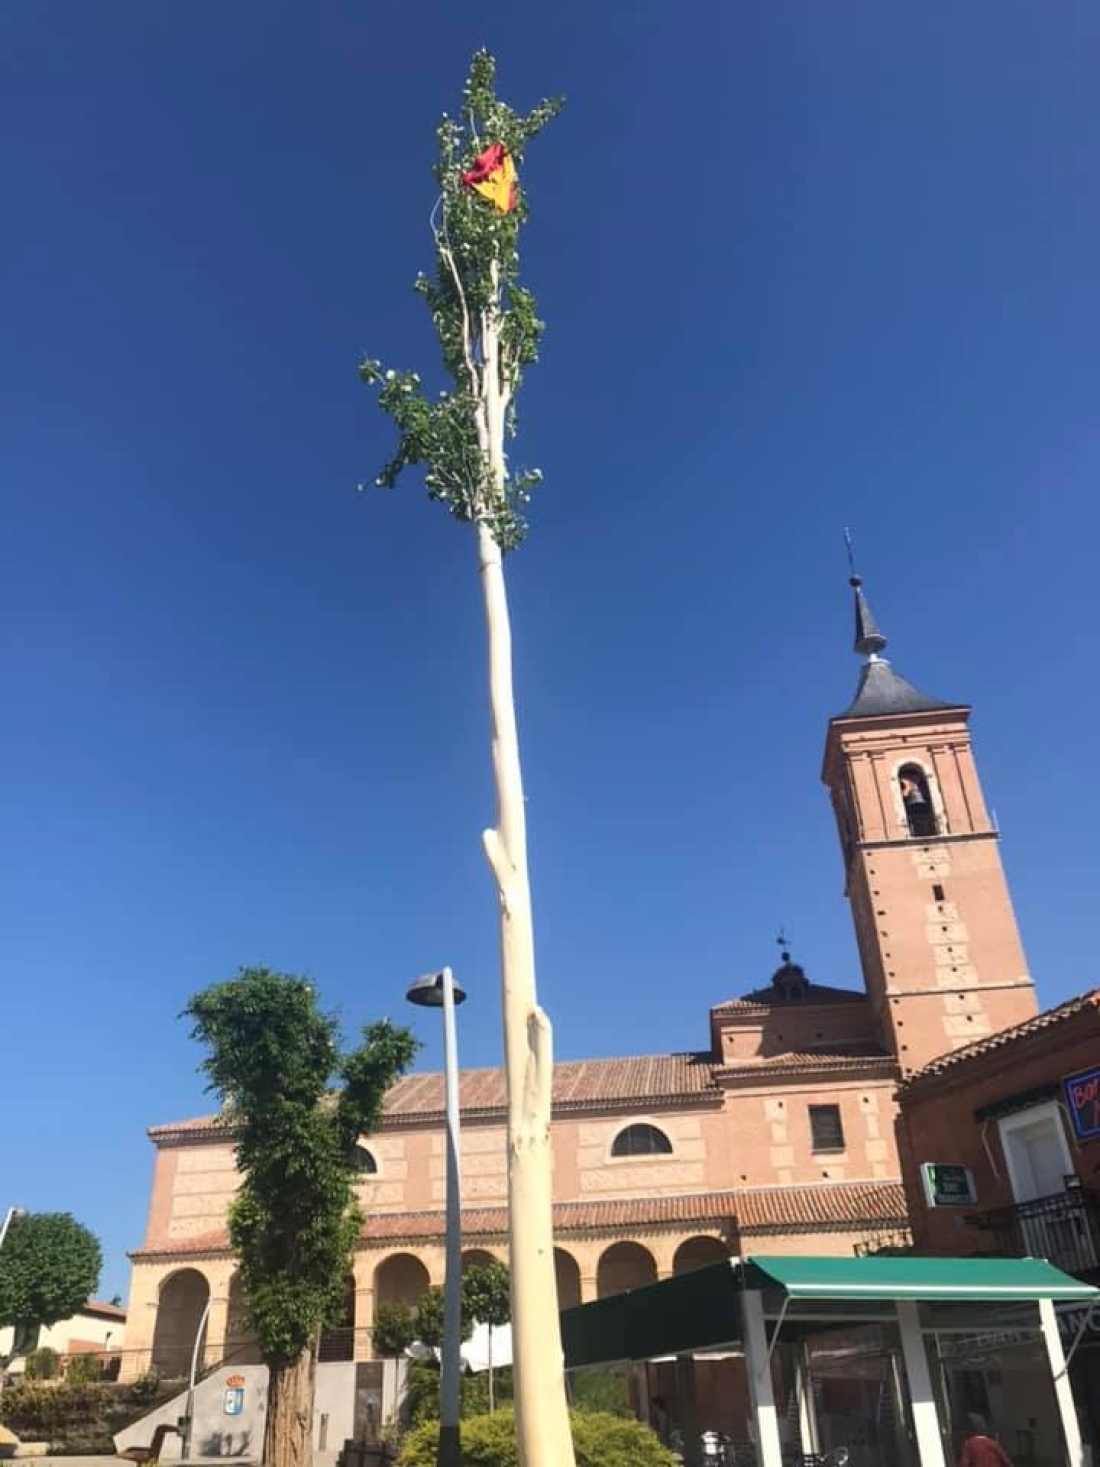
(790, 980)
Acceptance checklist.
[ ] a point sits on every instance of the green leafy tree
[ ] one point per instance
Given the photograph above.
(49, 1268)
(274, 1059)
(487, 1298)
(489, 331)
(394, 1330)
(429, 1319)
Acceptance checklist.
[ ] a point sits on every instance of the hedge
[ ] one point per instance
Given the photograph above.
(80, 1417)
(599, 1440)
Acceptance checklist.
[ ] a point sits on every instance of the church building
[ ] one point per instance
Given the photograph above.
(778, 1135)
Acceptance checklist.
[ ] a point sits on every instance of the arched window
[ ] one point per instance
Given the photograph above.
(641, 1140)
(915, 796)
(365, 1163)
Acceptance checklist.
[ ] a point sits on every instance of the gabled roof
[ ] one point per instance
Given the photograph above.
(579, 1085)
(770, 997)
(1037, 1024)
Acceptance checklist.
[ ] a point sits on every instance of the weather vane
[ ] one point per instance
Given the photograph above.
(783, 942)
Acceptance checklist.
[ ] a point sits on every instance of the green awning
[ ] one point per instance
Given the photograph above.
(702, 1310)
(964, 1279)
(690, 1311)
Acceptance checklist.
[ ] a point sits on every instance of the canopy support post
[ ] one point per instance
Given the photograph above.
(921, 1397)
(758, 1360)
(1071, 1431)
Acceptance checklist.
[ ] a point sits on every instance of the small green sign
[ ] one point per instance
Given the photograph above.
(948, 1185)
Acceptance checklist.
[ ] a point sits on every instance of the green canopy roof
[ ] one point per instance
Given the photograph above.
(971, 1279)
(701, 1310)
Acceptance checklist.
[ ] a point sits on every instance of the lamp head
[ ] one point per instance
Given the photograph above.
(427, 992)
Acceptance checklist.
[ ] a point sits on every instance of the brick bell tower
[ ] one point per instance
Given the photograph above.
(941, 954)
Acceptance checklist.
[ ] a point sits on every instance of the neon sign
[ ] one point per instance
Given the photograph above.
(1083, 1102)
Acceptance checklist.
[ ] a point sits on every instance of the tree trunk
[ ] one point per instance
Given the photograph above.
(542, 1418)
(288, 1431)
(492, 1395)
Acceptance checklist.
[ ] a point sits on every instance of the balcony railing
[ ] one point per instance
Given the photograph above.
(1064, 1229)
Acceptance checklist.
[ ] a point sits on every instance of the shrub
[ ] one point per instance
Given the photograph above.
(83, 1369)
(42, 1364)
(601, 1390)
(73, 1417)
(599, 1440)
(145, 1388)
(39, 1411)
(422, 1392)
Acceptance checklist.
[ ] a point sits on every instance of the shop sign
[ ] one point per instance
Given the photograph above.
(1079, 1319)
(948, 1185)
(1083, 1101)
(956, 1348)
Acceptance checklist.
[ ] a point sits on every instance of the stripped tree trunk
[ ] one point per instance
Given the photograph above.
(542, 1417)
(288, 1430)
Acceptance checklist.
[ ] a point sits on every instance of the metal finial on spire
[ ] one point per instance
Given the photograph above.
(783, 943)
(869, 640)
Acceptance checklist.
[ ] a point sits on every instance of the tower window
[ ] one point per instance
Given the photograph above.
(937, 893)
(826, 1128)
(919, 814)
(641, 1140)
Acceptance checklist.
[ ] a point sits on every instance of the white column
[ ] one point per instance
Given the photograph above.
(759, 1368)
(1071, 1432)
(921, 1396)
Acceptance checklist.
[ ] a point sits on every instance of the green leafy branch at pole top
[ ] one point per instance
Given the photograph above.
(476, 295)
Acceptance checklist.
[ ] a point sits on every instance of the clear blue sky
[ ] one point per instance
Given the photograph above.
(804, 266)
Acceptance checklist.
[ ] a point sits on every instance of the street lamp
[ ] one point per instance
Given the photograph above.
(9, 1217)
(440, 991)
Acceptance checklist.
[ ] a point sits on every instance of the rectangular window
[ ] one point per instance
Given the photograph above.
(826, 1128)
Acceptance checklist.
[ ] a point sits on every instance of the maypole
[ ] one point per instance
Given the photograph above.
(489, 332)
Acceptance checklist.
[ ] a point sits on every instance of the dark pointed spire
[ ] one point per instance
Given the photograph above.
(869, 640)
(881, 690)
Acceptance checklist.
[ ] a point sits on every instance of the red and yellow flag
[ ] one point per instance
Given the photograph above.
(493, 176)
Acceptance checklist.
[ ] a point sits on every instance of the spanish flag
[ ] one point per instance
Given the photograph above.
(494, 177)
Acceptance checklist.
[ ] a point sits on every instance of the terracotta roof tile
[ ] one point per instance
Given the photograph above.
(106, 1311)
(1048, 1019)
(569, 1217)
(849, 1204)
(578, 1084)
(839, 1057)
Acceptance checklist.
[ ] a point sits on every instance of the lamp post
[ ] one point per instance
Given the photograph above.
(440, 991)
(187, 1421)
(9, 1217)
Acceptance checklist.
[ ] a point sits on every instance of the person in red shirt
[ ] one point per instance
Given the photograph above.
(980, 1449)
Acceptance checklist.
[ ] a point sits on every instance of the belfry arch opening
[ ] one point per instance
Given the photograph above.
(916, 799)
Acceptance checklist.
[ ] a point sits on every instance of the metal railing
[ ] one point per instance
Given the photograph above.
(1063, 1228)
